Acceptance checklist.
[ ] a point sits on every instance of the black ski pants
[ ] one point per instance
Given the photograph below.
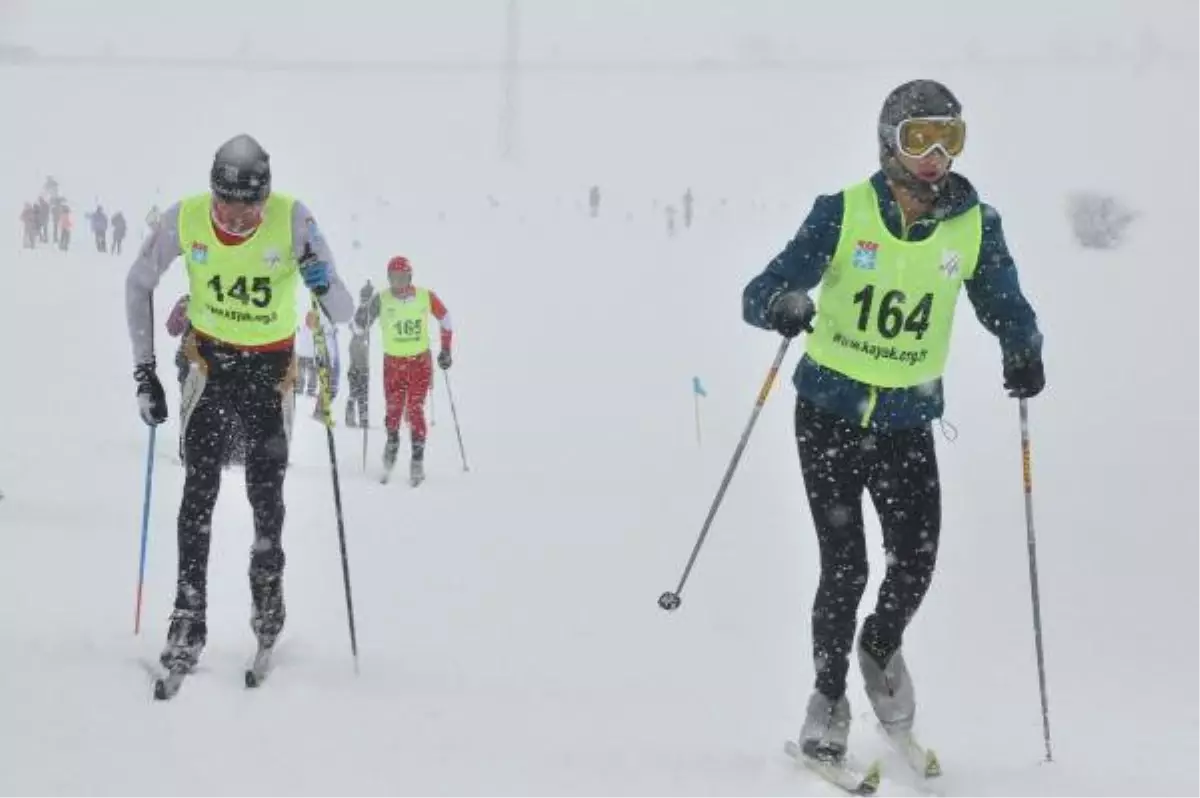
(243, 388)
(898, 469)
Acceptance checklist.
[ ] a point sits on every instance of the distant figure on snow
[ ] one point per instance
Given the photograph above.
(43, 218)
(100, 228)
(118, 226)
(359, 374)
(29, 226)
(66, 223)
(56, 211)
(594, 201)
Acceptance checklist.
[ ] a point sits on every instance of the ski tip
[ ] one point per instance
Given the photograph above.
(871, 782)
(933, 768)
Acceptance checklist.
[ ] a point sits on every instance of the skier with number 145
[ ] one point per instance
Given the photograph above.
(247, 250)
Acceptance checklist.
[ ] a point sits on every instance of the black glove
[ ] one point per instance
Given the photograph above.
(791, 313)
(152, 402)
(444, 359)
(1024, 380)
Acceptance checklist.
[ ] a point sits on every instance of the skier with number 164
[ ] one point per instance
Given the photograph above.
(891, 254)
(247, 251)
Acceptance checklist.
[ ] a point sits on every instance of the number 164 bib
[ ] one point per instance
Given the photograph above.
(886, 306)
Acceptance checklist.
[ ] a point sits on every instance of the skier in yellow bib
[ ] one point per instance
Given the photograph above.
(890, 255)
(403, 311)
(247, 250)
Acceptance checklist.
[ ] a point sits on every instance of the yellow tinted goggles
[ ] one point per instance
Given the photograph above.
(918, 137)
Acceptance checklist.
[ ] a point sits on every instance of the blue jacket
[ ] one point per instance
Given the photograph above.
(994, 291)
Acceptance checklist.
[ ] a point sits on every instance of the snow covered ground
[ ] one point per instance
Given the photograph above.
(509, 637)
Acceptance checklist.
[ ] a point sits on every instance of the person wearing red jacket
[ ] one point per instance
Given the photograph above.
(404, 311)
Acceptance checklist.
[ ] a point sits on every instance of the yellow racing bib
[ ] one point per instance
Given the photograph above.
(404, 323)
(886, 306)
(243, 294)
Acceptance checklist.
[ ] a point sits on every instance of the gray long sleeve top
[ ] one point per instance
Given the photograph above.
(162, 247)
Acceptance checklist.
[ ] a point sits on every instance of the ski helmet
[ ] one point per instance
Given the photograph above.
(911, 100)
(399, 264)
(241, 171)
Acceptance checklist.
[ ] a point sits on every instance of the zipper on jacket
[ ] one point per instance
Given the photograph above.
(872, 400)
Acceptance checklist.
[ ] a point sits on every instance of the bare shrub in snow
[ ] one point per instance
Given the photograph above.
(1098, 220)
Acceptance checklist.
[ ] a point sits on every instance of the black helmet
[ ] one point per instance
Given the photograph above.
(914, 99)
(241, 171)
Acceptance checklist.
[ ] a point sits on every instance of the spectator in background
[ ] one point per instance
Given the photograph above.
(65, 224)
(118, 228)
(100, 228)
(29, 225)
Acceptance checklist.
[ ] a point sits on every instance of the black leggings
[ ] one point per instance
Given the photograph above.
(240, 387)
(898, 468)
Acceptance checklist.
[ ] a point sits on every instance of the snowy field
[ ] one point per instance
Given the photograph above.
(509, 637)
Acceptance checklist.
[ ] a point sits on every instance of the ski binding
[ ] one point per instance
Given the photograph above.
(845, 774)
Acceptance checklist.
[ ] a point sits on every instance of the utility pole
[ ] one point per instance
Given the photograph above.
(511, 76)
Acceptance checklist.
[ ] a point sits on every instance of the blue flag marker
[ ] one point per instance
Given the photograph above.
(697, 388)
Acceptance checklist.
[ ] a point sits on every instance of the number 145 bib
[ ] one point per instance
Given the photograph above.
(243, 294)
(886, 306)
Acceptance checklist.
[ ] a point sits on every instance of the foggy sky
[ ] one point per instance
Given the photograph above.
(588, 30)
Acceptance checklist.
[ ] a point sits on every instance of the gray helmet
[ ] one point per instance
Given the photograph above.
(914, 99)
(241, 171)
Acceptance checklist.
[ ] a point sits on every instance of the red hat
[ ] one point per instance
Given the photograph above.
(399, 264)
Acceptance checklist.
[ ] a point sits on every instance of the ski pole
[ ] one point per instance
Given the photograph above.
(364, 452)
(454, 415)
(137, 610)
(1035, 593)
(323, 382)
(671, 600)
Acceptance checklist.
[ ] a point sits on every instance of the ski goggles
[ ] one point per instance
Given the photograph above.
(920, 136)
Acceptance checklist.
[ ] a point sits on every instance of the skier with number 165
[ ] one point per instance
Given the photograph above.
(403, 312)
(247, 251)
(891, 255)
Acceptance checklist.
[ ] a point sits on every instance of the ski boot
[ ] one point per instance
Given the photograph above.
(416, 469)
(826, 729)
(268, 612)
(390, 450)
(185, 642)
(890, 689)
